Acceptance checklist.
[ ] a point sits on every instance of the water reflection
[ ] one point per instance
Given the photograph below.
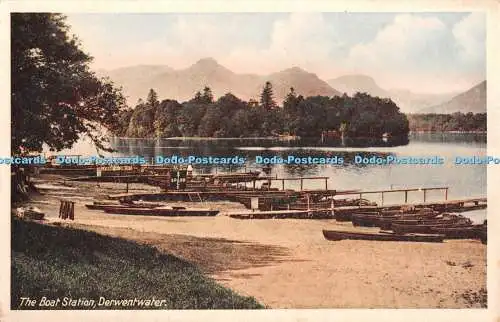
(464, 181)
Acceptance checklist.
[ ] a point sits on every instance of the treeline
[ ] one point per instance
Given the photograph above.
(468, 122)
(358, 116)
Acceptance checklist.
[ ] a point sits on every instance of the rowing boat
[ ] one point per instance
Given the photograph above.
(108, 206)
(471, 232)
(340, 235)
(426, 228)
(385, 221)
(162, 211)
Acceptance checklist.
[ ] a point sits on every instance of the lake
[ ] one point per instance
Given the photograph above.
(463, 180)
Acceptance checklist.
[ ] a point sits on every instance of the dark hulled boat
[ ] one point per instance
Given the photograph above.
(340, 235)
(459, 232)
(427, 228)
(161, 211)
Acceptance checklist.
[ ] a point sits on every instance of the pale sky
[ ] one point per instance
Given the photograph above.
(424, 52)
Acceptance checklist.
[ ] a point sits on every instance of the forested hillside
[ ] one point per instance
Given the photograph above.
(358, 116)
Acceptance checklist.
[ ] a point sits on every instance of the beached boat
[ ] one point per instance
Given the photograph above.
(386, 218)
(482, 233)
(340, 235)
(161, 211)
(427, 228)
(130, 205)
(323, 204)
(472, 232)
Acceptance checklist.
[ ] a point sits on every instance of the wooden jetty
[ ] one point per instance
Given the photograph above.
(283, 214)
(216, 195)
(336, 235)
(405, 191)
(69, 171)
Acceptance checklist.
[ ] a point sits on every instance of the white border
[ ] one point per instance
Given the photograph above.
(492, 8)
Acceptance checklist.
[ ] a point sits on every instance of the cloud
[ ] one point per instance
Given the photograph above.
(470, 34)
(306, 40)
(417, 51)
(401, 43)
(423, 53)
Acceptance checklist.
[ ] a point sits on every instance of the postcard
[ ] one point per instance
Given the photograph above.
(288, 161)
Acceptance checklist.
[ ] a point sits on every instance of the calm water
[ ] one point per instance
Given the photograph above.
(463, 180)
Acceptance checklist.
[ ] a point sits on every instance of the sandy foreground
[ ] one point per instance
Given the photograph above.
(287, 263)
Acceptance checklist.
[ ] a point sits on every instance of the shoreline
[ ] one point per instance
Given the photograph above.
(271, 259)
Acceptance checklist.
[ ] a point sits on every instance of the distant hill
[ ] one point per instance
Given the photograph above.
(473, 100)
(182, 84)
(408, 101)
(351, 84)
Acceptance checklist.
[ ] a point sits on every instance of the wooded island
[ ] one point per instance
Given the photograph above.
(358, 116)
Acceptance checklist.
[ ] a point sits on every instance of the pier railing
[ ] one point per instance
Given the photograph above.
(382, 192)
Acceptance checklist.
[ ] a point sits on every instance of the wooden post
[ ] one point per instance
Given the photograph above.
(253, 181)
(283, 184)
(425, 193)
(382, 198)
(360, 197)
(72, 211)
(308, 207)
(63, 210)
(446, 194)
(127, 186)
(406, 196)
(326, 184)
(301, 184)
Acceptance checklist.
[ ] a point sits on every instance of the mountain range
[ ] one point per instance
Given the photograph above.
(182, 84)
(408, 101)
(473, 100)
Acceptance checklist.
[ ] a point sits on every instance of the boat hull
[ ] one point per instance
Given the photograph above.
(461, 232)
(340, 235)
(425, 229)
(161, 212)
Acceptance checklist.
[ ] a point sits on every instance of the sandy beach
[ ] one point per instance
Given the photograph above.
(287, 263)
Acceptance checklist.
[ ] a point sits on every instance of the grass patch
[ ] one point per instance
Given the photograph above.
(66, 263)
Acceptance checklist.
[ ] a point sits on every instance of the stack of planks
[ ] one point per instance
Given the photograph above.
(67, 210)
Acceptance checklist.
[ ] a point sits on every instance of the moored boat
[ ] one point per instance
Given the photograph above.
(161, 211)
(459, 232)
(340, 235)
(426, 228)
(104, 206)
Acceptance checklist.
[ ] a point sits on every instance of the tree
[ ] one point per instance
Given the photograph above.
(253, 103)
(55, 97)
(207, 96)
(266, 97)
(152, 99)
(165, 122)
(197, 97)
(290, 102)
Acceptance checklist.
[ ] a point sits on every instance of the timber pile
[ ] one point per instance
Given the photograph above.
(67, 210)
